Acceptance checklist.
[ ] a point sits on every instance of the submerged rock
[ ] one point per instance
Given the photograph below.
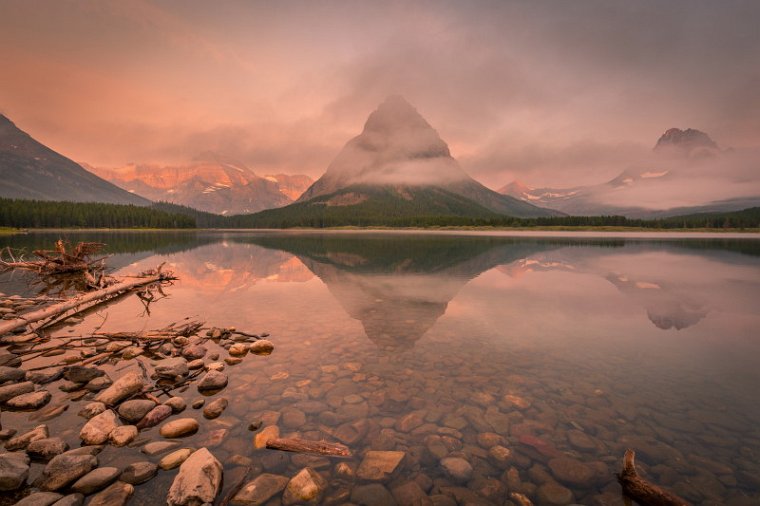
(373, 494)
(197, 482)
(261, 347)
(215, 408)
(11, 374)
(306, 487)
(379, 465)
(458, 469)
(158, 447)
(260, 490)
(40, 499)
(8, 392)
(175, 459)
(14, 470)
(81, 374)
(123, 435)
(177, 404)
(172, 367)
(267, 433)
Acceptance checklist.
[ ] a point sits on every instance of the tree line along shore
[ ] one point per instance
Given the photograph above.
(18, 214)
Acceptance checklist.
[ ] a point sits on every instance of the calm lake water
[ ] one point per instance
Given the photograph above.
(561, 346)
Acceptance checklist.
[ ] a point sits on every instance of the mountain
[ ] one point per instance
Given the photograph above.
(400, 166)
(30, 170)
(292, 186)
(690, 142)
(210, 183)
(681, 160)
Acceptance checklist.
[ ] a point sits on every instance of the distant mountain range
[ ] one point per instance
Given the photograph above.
(399, 167)
(211, 183)
(30, 170)
(675, 153)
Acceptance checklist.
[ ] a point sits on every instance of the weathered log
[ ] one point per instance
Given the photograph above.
(640, 490)
(297, 445)
(99, 295)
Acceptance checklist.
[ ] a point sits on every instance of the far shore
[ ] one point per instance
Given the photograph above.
(606, 231)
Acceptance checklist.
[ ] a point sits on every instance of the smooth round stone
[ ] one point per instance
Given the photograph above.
(194, 352)
(158, 447)
(175, 459)
(70, 500)
(195, 364)
(198, 403)
(81, 374)
(489, 439)
(261, 347)
(179, 428)
(572, 472)
(500, 456)
(95, 480)
(134, 410)
(97, 428)
(215, 408)
(117, 494)
(293, 418)
(213, 380)
(238, 349)
(139, 472)
(374, 494)
(554, 494)
(215, 366)
(39, 499)
(177, 404)
(458, 469)
(65, 469)
(98, 384)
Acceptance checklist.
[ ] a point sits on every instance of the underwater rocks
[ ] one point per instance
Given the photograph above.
(197, 482)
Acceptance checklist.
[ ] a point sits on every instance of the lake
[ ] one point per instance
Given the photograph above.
(562, 349)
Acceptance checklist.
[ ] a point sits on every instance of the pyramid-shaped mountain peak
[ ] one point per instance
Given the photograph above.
(395, 113)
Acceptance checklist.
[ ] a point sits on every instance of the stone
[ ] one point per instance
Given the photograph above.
(11, 374)
(95, 480)
(231, 361)
(155, 416)
(9, 359)
(40, 499)
(158, 447)
(581, 441)
(134, 410)
(267, 433)
(198, 403)
(215, 366)
(238, 349)
(92, 409)
(21, 441)
(490, 439)
(306, 487)
(553, 494)
(373, 494)
(212, 380)
(81, 374)
(171, 368)
(14, 470)
(410, 421)
(98, 384)
(215, 408)
(15, 389)
(500, 456)
(179, 428)
(42, 377)
(98, 428)
(195, 364)
(379, 465)
(33, 400)
(194, 351)
(293, 418)
(70, 500)
(175, 459)
(197, 482)
(65, 469)
(177, 404)
(138, 472)
(123, 435)
(129, 384)
(116, 494)
(411, 494)
(46, 448)
(261, 347)
(213, 438)
(260, 490)
(457, 468)
(572, 472)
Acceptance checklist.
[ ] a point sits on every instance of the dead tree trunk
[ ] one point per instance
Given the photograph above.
(641, 491)
(322, 448)
(99, 295)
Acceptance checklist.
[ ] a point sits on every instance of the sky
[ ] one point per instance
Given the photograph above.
(548, 92)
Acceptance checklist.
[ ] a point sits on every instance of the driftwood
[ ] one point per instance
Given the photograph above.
(322, 448)
(60, 260)
(640, 490)
(76, 303)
